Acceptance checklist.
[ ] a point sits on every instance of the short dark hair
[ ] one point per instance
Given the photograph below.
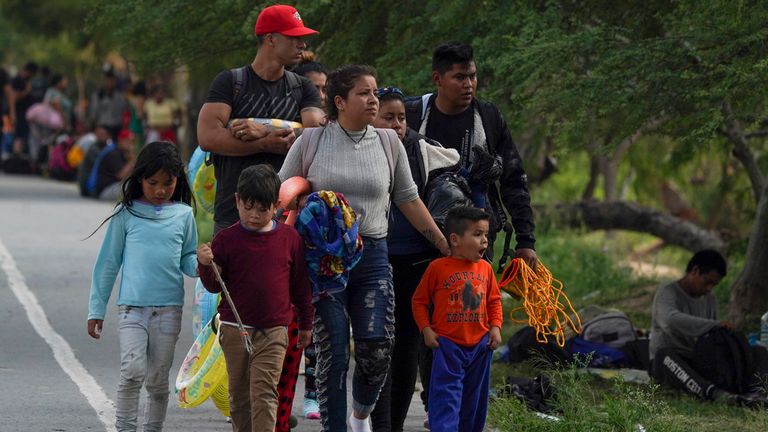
(259, 184)
(450, 53)
(56, 79)
(31, 67)
(306, 68)
(459, 218)
(707, 261)
(341, 81)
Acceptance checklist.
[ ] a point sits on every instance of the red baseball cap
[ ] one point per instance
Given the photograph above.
(125, 134)
(281, 19)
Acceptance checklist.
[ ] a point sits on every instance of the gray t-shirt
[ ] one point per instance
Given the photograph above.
(359, 171)
(677, 319)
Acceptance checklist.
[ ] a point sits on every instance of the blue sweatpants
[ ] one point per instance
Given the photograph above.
(458, 388)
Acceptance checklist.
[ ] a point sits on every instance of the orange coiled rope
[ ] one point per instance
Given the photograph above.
(544, 301)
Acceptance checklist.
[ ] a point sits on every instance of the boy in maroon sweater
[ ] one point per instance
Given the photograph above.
(262, 263)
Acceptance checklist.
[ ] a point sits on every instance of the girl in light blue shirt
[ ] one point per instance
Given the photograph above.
(150, 241)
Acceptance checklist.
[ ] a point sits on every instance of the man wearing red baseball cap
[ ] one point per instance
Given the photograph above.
(262, 89)
(282, 19)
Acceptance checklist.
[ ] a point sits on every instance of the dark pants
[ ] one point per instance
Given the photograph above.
(674, 370)
(458, 392)
(395, 398)
(368, 304)
(671, 369)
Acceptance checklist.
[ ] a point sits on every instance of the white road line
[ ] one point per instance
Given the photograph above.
(63, 353)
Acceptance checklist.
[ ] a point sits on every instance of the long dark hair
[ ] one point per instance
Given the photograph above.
(153, 157)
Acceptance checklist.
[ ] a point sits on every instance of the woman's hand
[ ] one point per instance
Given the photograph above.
(442, 245)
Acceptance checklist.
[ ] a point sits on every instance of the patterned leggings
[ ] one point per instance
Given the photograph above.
(286, 388)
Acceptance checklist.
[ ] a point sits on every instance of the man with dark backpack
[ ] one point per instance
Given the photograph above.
(455, 118)
(262, 89)
(692, 349)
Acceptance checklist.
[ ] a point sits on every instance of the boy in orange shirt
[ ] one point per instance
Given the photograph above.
(464, 327)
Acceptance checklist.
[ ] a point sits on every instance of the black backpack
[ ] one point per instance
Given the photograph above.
(724, 357)
(445, 191)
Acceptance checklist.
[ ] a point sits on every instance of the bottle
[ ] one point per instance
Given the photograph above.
(764, 330)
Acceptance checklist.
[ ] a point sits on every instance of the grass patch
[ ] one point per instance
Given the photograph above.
(586, 403)
(592, 266)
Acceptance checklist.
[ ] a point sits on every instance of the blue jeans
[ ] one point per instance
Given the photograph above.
(148, 337)
(368, 303)
(459, 386)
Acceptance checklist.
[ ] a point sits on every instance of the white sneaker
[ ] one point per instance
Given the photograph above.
(358, 425)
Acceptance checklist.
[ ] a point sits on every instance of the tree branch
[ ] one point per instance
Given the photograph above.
(741, 150)
(630, 216)
(649, 126)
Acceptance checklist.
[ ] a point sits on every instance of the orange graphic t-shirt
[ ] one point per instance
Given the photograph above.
(465, 297)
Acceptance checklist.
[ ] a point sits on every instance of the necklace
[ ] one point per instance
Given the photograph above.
(357, 143)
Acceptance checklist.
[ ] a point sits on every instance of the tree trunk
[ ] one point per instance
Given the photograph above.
(749, 293)
(741, 150)
(622, 215)
(594, 174)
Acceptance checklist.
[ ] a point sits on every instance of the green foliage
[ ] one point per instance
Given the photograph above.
(586, 265)
(206, 36)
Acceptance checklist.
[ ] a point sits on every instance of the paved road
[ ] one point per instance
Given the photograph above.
(53, 377)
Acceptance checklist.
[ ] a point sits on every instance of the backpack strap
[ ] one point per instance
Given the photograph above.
(425, 105)
(238, 78)
(294, 84)
(310, 139)
(416, 110)
(391, 144)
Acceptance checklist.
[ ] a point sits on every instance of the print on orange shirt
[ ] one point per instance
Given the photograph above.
(464, 303)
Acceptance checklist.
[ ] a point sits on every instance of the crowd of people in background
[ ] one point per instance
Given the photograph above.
(52, 128)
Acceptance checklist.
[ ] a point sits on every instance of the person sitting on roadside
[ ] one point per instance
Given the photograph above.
(112, 166)
(684, 314)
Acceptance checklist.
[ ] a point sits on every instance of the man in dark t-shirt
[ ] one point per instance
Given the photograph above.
(265, 90)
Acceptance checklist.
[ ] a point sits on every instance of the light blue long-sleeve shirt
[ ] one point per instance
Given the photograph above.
(150, 247)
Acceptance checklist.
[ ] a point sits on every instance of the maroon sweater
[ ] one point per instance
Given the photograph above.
(265, 272)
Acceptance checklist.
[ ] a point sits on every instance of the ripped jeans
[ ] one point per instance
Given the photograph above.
(148, 337)
(368, 304)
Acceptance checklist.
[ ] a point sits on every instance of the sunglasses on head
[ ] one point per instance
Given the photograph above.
(380, 93)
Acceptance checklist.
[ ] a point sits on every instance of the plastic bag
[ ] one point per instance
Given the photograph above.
(444, 192)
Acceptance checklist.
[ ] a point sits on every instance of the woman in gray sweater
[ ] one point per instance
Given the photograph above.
(351, 158)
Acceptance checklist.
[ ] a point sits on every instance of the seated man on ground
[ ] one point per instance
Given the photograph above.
(114, 165)
(683, 313)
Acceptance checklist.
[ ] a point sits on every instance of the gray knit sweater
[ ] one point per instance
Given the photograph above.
(359, 171)
(678, 319)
